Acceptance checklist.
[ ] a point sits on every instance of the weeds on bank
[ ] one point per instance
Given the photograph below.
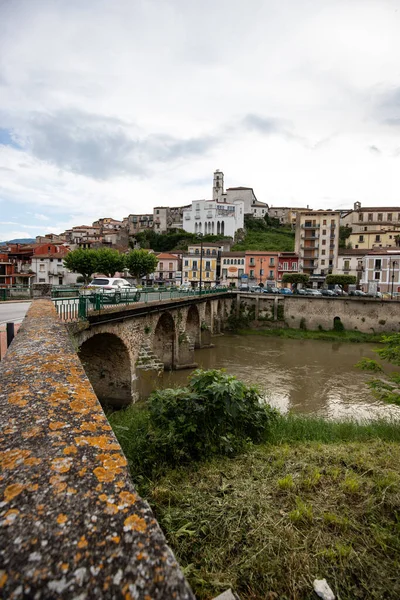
(305, 334)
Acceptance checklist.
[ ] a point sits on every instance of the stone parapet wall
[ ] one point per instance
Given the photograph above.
(71, 522)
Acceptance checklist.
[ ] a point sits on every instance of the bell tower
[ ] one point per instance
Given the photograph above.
(218, 185)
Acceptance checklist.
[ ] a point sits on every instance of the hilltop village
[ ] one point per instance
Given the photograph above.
(236, 238)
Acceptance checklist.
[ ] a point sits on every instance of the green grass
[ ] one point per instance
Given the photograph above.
(319, 499)
(274, 239)
(269, 522)
(302, 334)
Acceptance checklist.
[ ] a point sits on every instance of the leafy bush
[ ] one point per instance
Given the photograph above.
(215, 414)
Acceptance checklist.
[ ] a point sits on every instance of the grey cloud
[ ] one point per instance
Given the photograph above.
(262, 124)
(374, 149)
(388, 107)
(103, 147)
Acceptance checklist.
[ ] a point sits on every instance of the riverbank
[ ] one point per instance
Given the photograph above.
(305, 334)
(319, 499)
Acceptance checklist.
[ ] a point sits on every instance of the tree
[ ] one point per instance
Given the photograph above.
(296, 278)
(141, 263)
(342, 280)
(109, 261)
(82, 261)
(344, 234)
(387, 389)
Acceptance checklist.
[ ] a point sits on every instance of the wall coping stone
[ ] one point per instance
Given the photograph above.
(71, 522)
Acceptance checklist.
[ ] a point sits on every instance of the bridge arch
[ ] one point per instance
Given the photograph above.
(192, 328)
(107, 364)
(207, 313)
(164, 341)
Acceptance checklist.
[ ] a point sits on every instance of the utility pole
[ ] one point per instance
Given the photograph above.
(201, 261)
(394, 262)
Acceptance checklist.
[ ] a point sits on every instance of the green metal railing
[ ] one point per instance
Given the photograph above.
(79, 307)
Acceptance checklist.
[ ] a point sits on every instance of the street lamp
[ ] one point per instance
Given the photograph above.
(393, 262)
(261, 263)
(200, 235)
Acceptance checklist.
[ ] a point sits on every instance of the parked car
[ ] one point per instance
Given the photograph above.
(300, 291)
(112, 289)
(375, 295)
(244, 287)
(271, 290)
(357, 293)
(286, 291)
(256, 289)
(313, 292)
(184, 287)
(328, 293)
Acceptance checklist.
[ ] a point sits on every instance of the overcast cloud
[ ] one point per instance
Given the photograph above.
(109, 108)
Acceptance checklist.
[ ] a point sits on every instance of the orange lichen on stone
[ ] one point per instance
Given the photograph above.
(61, 519)
(88, 426)
(17, 398)
(82, 472)
(127, 498)
(71, 490)
(103, 474)
(9, 459)
(103, 497)
(32, 487)
(82, 542)
(61, 465)
(32, 462)
(3, 579)
(116, 539)
(64, 567)
(57, 425)
(70, 450)
(101, 441)
(58, 484)
(113, 461)
(10, 516)
(12, 491)
(111, 509)
(135, 523)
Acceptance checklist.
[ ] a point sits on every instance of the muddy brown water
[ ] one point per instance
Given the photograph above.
(303, 376)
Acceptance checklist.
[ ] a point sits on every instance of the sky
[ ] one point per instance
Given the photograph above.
(113, 107)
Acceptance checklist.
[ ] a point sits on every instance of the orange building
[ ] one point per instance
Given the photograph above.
(261, 267)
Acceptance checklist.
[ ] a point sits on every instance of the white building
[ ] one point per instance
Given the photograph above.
(238, 194)
(213, 217)
(381, 272)
(48, 266)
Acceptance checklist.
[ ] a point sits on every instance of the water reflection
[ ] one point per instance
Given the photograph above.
(303, 376)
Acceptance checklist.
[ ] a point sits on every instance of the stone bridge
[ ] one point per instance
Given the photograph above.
(123, 349)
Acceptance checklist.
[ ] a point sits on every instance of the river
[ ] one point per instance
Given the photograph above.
(303, 376)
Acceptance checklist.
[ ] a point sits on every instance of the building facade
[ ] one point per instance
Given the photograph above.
(138, 223)
(317, 243)
(233, 265)
(285, 215)
(288, 262)
(375, 238)
(351, 262)
(166, 218)
(48, 265)
(202, 264)
(213, 217)
(371, 218)
(261, 267)
(381, 272)
(167, 268)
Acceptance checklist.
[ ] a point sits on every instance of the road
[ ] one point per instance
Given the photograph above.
(13, 312)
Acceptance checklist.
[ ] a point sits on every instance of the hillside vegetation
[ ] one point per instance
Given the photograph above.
(265, 234)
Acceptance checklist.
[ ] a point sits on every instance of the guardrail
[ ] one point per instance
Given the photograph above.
(78, 307)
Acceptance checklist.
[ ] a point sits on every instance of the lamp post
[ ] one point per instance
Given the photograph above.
(200, 235)
(261, 264)
(393, 262)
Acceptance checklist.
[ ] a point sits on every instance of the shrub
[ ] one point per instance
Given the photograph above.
(215, 414)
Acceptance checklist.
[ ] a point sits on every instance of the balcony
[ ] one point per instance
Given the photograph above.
(209, 215)
(187, 217)
(304, 226)
(307, 236)
(313, 247)
(196, 216)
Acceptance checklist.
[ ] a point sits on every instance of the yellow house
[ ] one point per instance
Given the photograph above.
(378, 238)
(201, 264)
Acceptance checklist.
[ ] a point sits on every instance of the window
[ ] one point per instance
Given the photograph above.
(208, 265)
(194, 274)
(377, 275)
(208, 275)
(261, 272)
(378, 264)
(380, 216)
(170, 275)
(370, 215)
(360, 238)
(224, 261)
(235, 262)
(252, 262)
(41, 268)
(186, 274)
(389, 216)
(323, 252)
(324, 222)
(324, 242)
(322, 262)
(332, 222)
(214, 252)
(186, 263)
(361, 217)
(294, 267)
(170, 266)
(194, 267)
(271, 274)
(346, 265)
(157, 212)
(51, 260)
(42, 280)
(271, 262)
(324, 232)
(377, 238)
(251, 272)
(161, 268)
(197, 251)
(285, 266)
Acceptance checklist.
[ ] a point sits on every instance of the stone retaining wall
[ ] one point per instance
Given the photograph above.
(71, 522)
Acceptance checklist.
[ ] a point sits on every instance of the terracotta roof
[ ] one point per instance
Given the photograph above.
(165, 255)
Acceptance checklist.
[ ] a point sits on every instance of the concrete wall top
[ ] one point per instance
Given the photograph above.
(71, 522)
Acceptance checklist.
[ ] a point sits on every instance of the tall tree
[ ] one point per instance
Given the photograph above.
(141, 263)
(343, 280)
(109, 261)
(82, 261)
(295, 278)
